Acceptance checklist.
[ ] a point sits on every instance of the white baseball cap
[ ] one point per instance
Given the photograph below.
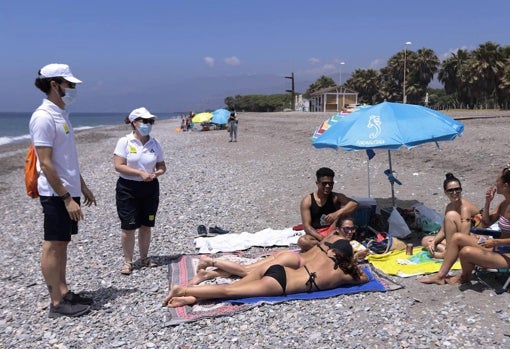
(54, 70)
(140, 113)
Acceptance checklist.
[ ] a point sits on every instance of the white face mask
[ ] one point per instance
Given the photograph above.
(69, 96)
(145, 129)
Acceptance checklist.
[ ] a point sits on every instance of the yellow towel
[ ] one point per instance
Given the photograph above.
(399, 264)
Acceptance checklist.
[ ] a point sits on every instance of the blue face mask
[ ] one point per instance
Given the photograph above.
(70, 95)
(145, 129)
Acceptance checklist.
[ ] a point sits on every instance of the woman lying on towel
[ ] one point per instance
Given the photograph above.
(334, 268)
(487, 253)
(345, 229)
(458, 217)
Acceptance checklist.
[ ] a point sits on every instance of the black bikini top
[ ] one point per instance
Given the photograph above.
(311, 280)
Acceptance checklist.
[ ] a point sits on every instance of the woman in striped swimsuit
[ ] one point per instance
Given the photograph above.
(491, 253)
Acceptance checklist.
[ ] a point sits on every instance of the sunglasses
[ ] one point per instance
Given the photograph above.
(327, 183)
(146, 121)
(348, 230)
(454, 190)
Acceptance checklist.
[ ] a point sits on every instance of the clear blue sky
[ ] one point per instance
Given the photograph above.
(189, 54)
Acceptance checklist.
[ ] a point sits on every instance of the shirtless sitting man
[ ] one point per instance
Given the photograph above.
(321, 209)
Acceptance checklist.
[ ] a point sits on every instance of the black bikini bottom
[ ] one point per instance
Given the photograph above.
(277, 272)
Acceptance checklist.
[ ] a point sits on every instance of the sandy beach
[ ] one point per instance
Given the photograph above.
(249, 185)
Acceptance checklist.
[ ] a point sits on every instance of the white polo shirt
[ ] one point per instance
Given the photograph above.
(50, 127)
(139, 156)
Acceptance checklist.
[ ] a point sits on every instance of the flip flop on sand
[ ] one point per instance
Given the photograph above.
(217, 230)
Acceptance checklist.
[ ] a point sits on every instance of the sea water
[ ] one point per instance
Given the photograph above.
(14, 126)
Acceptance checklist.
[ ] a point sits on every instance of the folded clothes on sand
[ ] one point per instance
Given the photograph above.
(399, 264)
(238, 242)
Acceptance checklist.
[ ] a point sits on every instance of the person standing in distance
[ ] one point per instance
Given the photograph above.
(60, 184)
(232, 124)
(139, 160)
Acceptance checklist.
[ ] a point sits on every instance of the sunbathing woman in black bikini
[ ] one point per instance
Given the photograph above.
(344, 230)
(333, 268)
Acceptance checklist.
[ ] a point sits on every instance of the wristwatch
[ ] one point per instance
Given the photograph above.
(65, 196)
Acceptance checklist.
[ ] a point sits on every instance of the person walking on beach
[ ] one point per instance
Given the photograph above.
(139, 160)
(321, 209)
(60, 184)
(232, 124)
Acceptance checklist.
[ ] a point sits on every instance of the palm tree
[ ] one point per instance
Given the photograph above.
(319, 84)
(487, 65)
(454, 76)
(367, 83)
(422, 67)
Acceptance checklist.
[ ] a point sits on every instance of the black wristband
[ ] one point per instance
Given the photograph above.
(65, 196)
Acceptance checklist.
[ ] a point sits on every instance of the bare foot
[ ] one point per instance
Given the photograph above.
(458, 279)
(174, 292)
(200, 276)
(434, 279)
(203, 275)
(176, 302)
(438, 255)
(203, 263)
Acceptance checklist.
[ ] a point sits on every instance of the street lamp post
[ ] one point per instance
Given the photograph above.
(405, 63)
(339, 89)
(340, 83)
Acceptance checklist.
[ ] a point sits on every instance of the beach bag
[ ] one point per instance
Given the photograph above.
(382, 242)
(429, 220)
(31, 174)
(397, 225)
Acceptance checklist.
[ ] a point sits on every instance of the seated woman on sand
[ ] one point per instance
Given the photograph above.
(345, 229)
(489, 253)
(333, 268)
(457, 218)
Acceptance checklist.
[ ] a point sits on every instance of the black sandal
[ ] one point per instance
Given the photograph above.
(202, 230)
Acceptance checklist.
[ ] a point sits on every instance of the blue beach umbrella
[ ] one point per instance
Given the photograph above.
(220, 116)
(389, 126)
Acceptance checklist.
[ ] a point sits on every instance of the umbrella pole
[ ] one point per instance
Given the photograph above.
(368, 176)
(391, 182)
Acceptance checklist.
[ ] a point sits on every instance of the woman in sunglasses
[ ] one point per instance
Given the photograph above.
(139, 160)
(458, 217)
(335, 268)
(486, 253)
(210, 268)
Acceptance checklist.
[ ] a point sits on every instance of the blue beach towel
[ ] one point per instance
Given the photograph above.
(373, 285)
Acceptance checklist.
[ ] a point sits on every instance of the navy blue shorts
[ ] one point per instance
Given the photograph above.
(137, 203)
(58, 226)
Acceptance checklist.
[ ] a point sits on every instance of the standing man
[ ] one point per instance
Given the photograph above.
(232, 124)
(60, 184)
(321, 209)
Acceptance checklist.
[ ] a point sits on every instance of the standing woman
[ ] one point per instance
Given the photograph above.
(139, 159)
